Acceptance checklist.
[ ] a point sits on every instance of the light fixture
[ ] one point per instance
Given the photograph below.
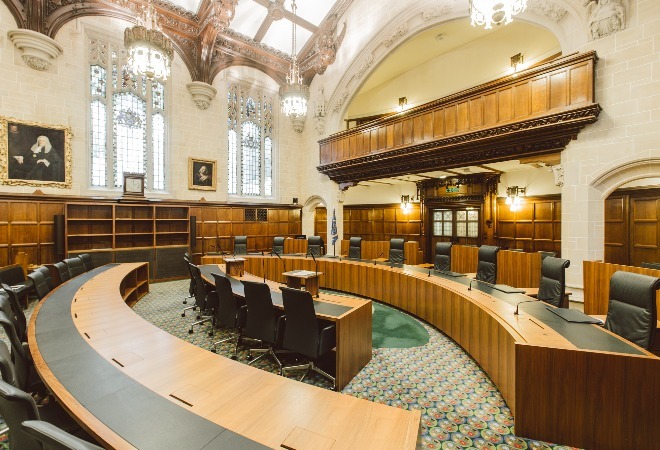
(495, 12)
(406, 204)
(403, 104)
(517, 63)
(150, 52)
(294, 93)
(513, 196)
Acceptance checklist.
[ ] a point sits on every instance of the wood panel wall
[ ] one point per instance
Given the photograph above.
(536, 227)
(321, 224)
(382, 222)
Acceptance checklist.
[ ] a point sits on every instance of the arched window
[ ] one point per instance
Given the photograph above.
(250, 140)
(127, 120)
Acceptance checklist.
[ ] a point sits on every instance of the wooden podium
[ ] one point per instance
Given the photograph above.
(235, 266)
(294, 279)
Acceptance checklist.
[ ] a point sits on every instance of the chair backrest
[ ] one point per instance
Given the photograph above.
(51, 437)
(12, 275)
(314, 244)
(227, 311)
(18, 316)
(632, 310)
(191, 286)
(301, 334)
(16, 407)
(261, 317)
(650, 265)
(546, 254)
(6, 365)
(552, 289)
(355, 248)
(442, 259)
(487, 263)
(240, 245)
(45, 271)
(396, 255)
(86, 259)
(40, 284)
(278, 245)
(19, 357)
(75, 266)
(200, 290)
(63, 270)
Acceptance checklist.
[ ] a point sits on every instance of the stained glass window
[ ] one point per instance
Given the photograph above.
(127, 120)
(250, 141)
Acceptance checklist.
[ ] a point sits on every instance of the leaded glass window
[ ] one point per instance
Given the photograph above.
(250, 141)
(442, 222)
(127, 120)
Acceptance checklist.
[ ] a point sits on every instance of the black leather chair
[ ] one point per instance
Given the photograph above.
(23, 376)
(397, 255)
(632, 312)
(240, 245)
(442, 258)
(86, 259)
(487, 264)
(75, 266)
(278, 245)
(45, 271)
(230, 313)
(51, 437)
(304, 333)
(206, 299)
(552, 289)
(14, 276)
(63, 270)
(40, 284)
(355, 248)
(649, 265)
(264, 322)
(18, 316)
(191, 287)
(314, 245)
(546, 254)
(7, 373)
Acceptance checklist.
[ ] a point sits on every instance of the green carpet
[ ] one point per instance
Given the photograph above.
(393, 329)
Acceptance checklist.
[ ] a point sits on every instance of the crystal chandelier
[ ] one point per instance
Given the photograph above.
(150, 52)
(489, 12)
(294, 93)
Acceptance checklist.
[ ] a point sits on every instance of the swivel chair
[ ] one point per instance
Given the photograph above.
(553, 282)
(632, 312)
(396, 255)
(355, 248)
(305, 334)
(22, 376)
(546, 254)
(50, 437)
(314, 245)
(230, 313)
(442, 259)
(487, 264)
(278, 246)
(191, 287)
(240, 245)
(206, 299)
(17, 316)
(86, 259)
(40, 284)
(75, 266)
(45, 271)
(264, 323)
(63, 270)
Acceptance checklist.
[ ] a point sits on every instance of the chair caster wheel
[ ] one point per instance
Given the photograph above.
(190, 331)
(210, 334)
(234, 358)
(185, 302)
(183, 315)
(214, 350)
(199, 317)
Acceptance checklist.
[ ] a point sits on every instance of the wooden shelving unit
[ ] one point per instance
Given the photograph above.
(135, 285)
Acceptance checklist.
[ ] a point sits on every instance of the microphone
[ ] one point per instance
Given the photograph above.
(516, 312)
(429, 272)
(316, 270)
(263, 270)
(381, 254)
(470, 286)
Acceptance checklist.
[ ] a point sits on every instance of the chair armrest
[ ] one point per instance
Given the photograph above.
(212, 300)
(279, 331)
(327, 339)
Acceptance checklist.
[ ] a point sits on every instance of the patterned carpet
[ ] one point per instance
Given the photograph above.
(461, 407)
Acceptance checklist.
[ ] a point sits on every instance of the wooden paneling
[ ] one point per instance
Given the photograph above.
(382, 222)
(381, 249)
(536, 227)
(321, 224)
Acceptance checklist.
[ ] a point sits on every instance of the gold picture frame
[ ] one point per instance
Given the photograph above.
(202, 174)
(34, 154)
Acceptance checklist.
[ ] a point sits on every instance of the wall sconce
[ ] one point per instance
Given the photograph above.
(403, 104)
(513, 197)
(407, 202)
(517, 63)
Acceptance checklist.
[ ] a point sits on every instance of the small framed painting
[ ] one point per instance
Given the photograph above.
(201, 174)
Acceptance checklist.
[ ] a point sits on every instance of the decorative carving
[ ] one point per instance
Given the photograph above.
(364, 66)
(320, 112)
(202, 93)
(276, 10)
(398, 33)
(549, 10)
(222, 12)
(340, 101)
(605, 17)
(341, 196)
(455, 198)
(436, 11)
(98, 52)
(38, 50)
(558, 172)
(327, 44)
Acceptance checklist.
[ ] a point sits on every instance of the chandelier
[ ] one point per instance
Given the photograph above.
(150, 52)
(294, 93)
(489, 12)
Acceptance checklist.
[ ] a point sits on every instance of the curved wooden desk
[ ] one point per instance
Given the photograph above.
(133, 385)
(569, 383)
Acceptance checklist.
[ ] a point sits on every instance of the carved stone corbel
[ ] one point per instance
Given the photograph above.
(37, 50)
(558, 172)
(202, 93)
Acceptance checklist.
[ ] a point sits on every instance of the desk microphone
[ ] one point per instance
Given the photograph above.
(518, 305)
(429, 272)
(316, 271)
(470, 286)
(263, 270)
(381, 254)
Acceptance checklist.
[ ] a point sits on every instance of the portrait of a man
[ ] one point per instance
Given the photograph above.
(201, 174)
(34, 154)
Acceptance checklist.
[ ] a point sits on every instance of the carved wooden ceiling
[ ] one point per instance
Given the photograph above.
(205, 39)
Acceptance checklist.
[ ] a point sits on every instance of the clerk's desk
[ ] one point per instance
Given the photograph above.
(133, 385)
(573, 384)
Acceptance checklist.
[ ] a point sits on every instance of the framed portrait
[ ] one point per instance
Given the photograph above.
(34, 154)
(201, 174)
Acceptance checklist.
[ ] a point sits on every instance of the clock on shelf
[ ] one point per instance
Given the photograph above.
(133, 185)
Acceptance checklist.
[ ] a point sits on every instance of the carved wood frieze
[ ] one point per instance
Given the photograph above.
(532, 113)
